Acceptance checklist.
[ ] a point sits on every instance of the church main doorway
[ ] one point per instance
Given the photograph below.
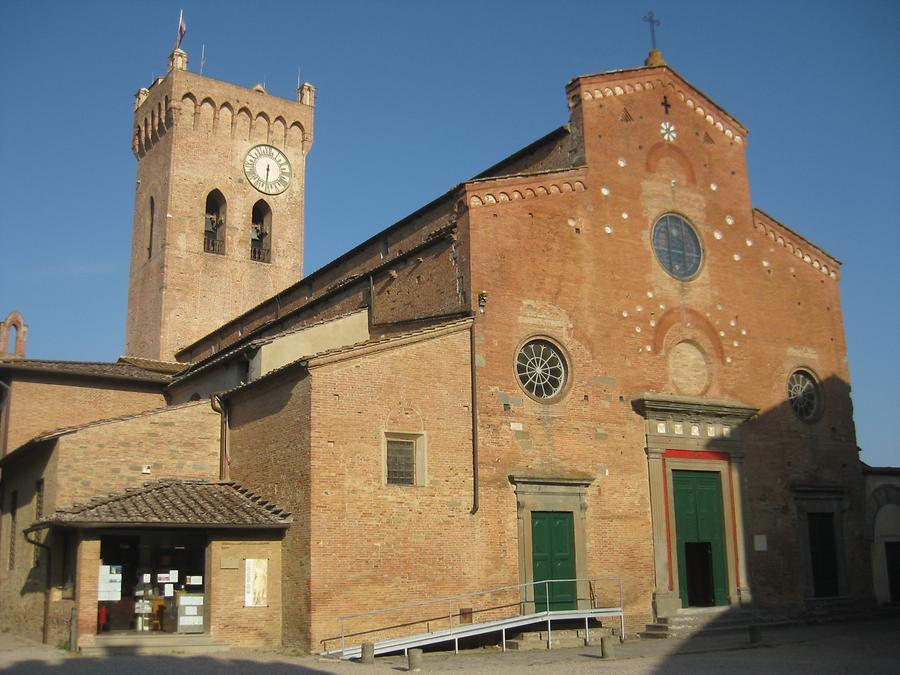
(553, 557)
(700, 538)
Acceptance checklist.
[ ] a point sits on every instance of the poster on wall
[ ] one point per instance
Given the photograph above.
(256, 582)
(109, 587)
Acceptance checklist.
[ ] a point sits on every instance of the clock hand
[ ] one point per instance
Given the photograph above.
(268, 166)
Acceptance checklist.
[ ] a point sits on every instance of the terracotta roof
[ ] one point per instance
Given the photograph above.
(168, 367)
(119, 371)
(176, 503)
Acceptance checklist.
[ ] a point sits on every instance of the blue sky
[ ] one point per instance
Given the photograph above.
(415, 97)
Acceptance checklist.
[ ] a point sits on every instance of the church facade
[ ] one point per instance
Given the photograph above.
(596, 363)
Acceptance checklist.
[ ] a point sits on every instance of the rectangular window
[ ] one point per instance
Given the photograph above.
(13, 507)
(401, 462)
(404, 458)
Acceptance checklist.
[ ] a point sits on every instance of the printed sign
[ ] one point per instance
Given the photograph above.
(256, 582)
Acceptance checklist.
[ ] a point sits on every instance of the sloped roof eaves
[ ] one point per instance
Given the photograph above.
(684, 80)
(253, 343)
(330, 355)
(176, 503)
(491, 171)
(255, 337)
(102, 370)
(799, 236)
(447, 196)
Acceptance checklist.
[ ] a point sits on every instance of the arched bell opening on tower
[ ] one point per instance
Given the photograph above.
(260, 231)
(214, 223)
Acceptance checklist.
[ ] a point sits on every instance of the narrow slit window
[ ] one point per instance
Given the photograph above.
(150, 229)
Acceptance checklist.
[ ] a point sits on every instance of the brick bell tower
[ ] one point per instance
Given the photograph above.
(218, 210)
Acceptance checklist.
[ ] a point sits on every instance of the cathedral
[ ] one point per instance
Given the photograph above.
(592, 378)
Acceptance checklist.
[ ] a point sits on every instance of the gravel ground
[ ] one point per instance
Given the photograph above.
(869, 647)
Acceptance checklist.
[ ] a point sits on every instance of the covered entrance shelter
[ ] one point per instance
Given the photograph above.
(176, 558)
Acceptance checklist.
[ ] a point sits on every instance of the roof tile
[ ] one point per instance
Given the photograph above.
(177, 503)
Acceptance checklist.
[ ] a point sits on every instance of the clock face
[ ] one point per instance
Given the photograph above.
(267, 169)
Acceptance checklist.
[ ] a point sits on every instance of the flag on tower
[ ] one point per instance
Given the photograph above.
(182, 28)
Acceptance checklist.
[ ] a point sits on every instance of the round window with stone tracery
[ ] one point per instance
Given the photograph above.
(541, 369)
(804, 396)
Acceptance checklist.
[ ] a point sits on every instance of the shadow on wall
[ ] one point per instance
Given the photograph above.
(804, 518)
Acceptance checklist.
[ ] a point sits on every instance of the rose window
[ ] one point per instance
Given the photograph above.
(541, 369)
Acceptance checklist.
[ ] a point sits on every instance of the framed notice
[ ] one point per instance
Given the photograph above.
(256, 582)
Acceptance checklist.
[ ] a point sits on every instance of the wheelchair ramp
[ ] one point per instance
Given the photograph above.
(459, 621)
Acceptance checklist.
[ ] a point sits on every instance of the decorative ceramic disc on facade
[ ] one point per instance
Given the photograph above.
(667, 129)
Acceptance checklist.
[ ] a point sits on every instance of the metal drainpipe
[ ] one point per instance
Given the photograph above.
(46, 628)
(474, 419)
(221, 407)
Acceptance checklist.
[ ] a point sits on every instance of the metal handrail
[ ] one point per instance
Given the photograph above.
(450, 600)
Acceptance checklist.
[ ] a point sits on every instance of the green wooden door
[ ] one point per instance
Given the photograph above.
(553, 556)
(700, 538)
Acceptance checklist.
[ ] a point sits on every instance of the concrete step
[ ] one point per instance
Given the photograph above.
(561, 639)
(109, 645)
(692, 622)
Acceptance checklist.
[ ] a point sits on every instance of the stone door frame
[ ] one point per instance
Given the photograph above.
(541, 493)
(694, 434)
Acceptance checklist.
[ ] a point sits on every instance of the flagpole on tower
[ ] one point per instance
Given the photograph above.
(202, 57)
(182, 29)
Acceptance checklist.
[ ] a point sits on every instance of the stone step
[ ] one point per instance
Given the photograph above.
(109, 645)
(689, 623)
(562, 638)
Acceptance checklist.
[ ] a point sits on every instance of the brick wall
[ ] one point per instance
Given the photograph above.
(757, 310)
(176, 442)
(87, 581)
(269, 453)
(196, 133)
(402, 237)
(22, 583)
(375, 545)
(43, 404)
(231, 621)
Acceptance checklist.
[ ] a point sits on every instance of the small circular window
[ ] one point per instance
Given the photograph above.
(541, 369)
(677, 246)
(804, 396)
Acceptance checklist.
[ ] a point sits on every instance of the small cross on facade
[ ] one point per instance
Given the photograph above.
(654, 22)
(665, 104)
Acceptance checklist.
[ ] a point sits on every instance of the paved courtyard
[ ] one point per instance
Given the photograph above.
(859, 647)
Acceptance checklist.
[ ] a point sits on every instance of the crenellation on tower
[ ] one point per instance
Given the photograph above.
(218, 215)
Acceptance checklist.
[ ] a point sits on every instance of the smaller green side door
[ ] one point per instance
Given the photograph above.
(553, 557)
